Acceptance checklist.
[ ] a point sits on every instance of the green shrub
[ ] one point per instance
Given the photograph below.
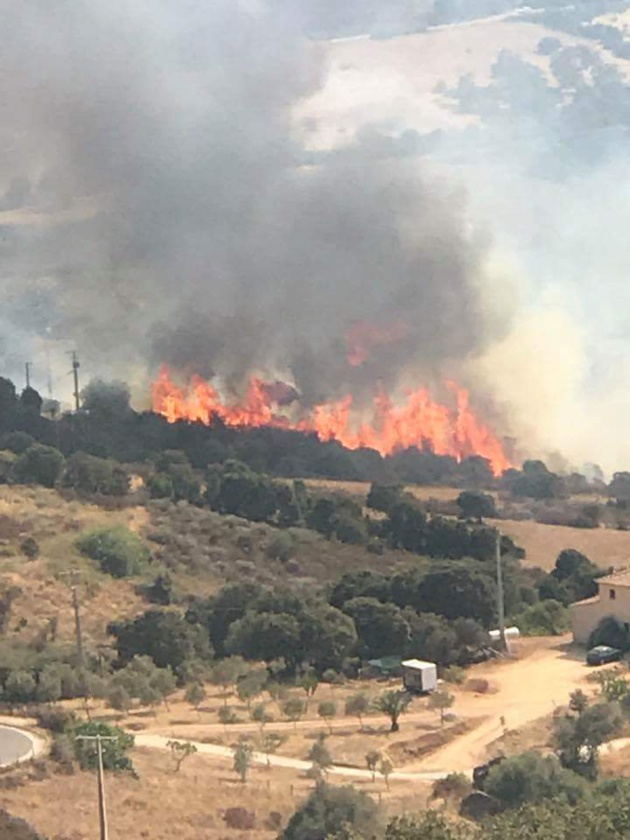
(115, 756)
(454, 674)
(159, 591)
(160, 486)
(547, 618)
(281, 547)
(532, 778)
(89, 474)
(340, 812)
(30, 548)
(20, 687)
(609, 632)
(7, 460)
(118, 551)
(227, 715)
(54, 718)
(17, 442)
(39, 464)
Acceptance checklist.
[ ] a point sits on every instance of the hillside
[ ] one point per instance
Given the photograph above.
(203, 550)
(542, 543)
(391, 82)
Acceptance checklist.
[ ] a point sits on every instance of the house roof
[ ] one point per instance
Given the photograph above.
(592, 600)
(419, 665)
(620, 578)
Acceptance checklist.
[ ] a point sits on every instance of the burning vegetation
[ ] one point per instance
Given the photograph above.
(420, 421)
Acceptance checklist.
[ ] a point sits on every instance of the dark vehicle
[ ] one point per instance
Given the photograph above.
(601, 654)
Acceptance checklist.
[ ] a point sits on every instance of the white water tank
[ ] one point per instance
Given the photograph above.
(510, 633)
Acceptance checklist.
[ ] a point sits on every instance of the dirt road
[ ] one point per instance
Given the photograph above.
(161, 742)
(522, 690)
(526, 689)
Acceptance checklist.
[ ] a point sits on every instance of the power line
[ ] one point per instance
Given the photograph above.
(500, 594)
(75, 373)
(102, 812)
(74, 576)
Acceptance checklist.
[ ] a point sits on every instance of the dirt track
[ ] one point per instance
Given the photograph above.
(522, 690)
(526, 689)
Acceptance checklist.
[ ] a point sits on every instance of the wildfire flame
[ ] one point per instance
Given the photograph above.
(420, 421)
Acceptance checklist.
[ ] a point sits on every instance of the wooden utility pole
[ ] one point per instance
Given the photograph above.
(102, 812)
(500, 593)
(75, 373)
(74, 576)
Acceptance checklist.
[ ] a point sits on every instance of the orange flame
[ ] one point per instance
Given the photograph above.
(420, 421)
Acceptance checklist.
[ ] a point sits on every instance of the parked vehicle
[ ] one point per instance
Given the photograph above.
(603, 653)
(419, 677)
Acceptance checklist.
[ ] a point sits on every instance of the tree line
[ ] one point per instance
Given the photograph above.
(106, 427)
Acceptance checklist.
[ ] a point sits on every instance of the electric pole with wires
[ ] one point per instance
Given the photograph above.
(500, 592)
(75, 373)
(102, 812)
(74, 575)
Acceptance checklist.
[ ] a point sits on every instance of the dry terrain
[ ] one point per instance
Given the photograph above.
(191, 804)
(388, 81)
(542, 543)
(521, 694)
(43, 594)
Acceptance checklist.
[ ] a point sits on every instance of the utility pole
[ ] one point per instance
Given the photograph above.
(500, 594)
(102, 813)
(74, 577)
(49, 382)
(27, 367)
(75, 373)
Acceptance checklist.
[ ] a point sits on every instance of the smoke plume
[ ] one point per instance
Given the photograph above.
(159, 207)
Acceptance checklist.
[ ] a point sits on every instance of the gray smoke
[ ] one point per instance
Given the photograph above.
(169, 214)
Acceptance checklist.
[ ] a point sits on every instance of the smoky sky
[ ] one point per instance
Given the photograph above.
(190, 227)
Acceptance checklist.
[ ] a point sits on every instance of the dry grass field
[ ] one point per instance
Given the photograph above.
(44, 594)
(542, 543)
(191, 804)
(210, 549)
(347, 740)
(201, 549)
(361, 488)
(372, 80)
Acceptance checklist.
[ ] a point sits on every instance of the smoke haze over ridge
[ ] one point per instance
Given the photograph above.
(215, 245)
(193, 227)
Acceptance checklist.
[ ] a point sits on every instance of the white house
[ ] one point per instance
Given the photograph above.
(612, 599)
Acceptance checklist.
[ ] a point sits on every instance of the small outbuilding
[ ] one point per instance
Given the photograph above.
(419, 677)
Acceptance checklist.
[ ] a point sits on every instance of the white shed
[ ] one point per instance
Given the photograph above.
(418, 676)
